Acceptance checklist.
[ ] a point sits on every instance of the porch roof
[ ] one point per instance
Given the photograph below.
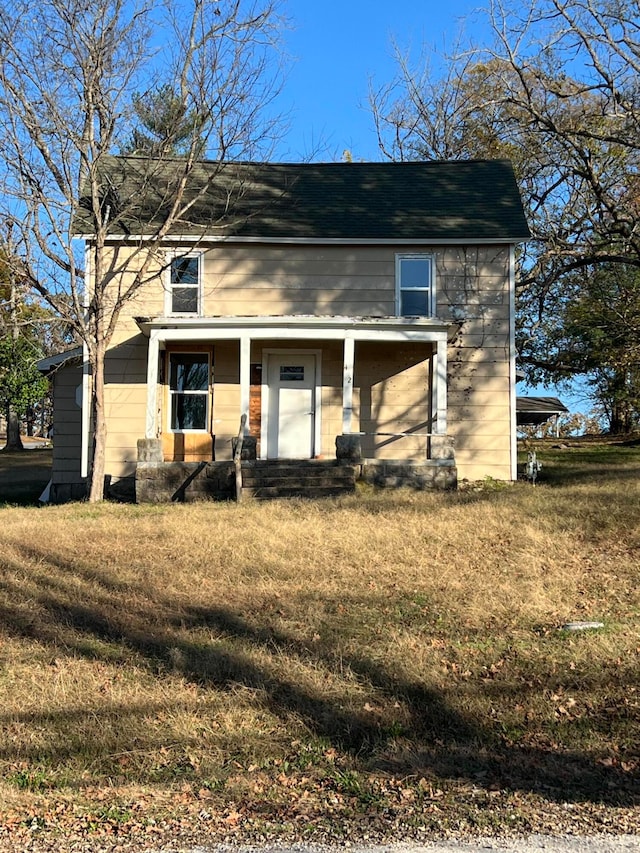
(407, 329)
(346, 330)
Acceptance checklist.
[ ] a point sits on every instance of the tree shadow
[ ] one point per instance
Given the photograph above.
(75, 608)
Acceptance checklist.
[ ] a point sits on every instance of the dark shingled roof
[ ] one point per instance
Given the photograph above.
(453, 200)
(537, 410)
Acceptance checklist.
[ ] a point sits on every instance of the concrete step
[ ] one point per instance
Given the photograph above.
(296, 478)
(310, 475)
(315, 482)
(273, 492)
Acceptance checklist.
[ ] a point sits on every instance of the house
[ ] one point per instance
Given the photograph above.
(358, 310)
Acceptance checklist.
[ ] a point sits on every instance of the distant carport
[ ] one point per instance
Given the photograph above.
(535, 411)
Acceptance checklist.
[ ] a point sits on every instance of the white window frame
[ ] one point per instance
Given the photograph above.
(171, 393)
(169, 284)
(431, 300)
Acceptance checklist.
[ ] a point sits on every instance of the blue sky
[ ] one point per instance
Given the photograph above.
(336, 48)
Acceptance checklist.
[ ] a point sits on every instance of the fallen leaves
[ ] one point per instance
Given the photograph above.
(296, 807)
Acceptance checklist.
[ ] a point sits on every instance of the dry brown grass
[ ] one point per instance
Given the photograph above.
(389, 654)
(24, 475)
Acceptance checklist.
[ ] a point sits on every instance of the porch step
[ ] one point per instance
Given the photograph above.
(308, 478)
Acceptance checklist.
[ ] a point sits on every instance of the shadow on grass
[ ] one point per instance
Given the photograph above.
(73, 609)
(24, 475)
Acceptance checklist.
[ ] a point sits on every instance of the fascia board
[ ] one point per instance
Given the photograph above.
(198, 239)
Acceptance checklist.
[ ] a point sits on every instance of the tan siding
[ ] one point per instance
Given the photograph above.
(226, 396)
(475, 292)
(258, 303)
(332, 355)
(298, 279)
(483, 391)
(67, 439)
(484, 360)
(481, 399)
(477, 467)
(391, 384)
(495, 414)
(125, 399)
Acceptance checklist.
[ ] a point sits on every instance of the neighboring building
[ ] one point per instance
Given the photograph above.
(368, 300)
(536, 411)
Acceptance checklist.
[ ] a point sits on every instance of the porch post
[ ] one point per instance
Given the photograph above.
(441, 387)
(245, 378)
(347, 385)
(153, 353)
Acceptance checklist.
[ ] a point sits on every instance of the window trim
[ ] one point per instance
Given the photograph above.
(171, 393)
(169, 284)
(431, 301)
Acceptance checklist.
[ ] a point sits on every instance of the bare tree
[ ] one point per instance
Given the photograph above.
(557, 91)
(71, 74)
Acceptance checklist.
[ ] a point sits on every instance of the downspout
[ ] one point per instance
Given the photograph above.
(86, 378)
(512, 361)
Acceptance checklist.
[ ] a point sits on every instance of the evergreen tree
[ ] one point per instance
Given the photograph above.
(164, 124)
(21, 384)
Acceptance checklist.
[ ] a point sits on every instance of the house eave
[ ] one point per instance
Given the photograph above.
(330, 327)
(46, 365)
(204, 238)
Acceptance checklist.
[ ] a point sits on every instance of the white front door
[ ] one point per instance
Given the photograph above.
(291, 382)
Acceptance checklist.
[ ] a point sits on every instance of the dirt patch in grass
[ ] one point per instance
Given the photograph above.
(382, 666)
(24, 475)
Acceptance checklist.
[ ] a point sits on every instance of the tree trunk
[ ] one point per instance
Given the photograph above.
(621, 419)
(96, 474)
(14, 442)
(621, 407)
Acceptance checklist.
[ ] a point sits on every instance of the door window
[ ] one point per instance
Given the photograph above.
(291, 373)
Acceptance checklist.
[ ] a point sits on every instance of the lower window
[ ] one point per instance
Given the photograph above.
(189, 391)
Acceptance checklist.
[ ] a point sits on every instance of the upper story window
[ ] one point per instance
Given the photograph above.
(184, 291)
(414, 285)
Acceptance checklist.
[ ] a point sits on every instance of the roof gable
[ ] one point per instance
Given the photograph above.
(453, 200)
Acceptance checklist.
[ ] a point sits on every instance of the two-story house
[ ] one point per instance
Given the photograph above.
(363, 309)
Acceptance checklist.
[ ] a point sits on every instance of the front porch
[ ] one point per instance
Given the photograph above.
(366, 392)
(158, 481)
(183, 482)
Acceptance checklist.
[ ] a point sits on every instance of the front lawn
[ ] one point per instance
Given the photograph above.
(383, 666)
(24, 475)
